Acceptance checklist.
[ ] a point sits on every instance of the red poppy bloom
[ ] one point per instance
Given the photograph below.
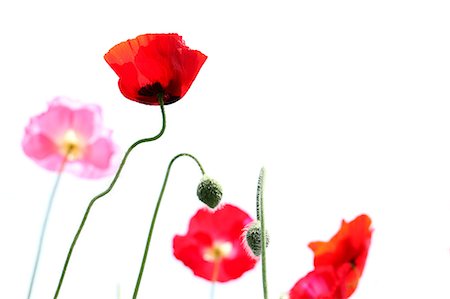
(346, 252)
(212, 247)
(155, 64)
(320, 283)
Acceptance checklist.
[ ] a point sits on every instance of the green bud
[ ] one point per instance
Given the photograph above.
(253, 238)
(209, 192)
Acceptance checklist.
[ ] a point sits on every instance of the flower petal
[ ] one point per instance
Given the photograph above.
(87, 121)
(320, 283)
(98, 159)
(42, 150)
(54, 122)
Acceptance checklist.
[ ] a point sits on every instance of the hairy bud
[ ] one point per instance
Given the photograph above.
(253, 239)
(209, 192)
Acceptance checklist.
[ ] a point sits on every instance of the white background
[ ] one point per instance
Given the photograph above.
(346, 104)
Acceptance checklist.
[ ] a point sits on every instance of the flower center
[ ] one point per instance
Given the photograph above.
(217, 251)
(151, 90)
(71, 145)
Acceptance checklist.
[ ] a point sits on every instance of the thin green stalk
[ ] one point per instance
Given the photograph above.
(155, 213)
(260, 217)
(91, 203)
(44, 224)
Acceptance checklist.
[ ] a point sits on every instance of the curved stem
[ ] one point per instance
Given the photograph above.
(155, 213)
(44, 224)
(91, 203)
(260, 214)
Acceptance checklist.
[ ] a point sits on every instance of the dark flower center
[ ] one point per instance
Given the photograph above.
(151, 90)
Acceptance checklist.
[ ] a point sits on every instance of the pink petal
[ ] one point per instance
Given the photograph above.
(97, 160)
(42, 150)
(87, 121)
(54, 122)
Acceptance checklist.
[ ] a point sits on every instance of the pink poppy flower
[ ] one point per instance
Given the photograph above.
(74, 130)
(212, 247)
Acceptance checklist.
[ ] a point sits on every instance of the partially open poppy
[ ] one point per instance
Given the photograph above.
(339, 263)
(346, 252)
(212, 247)
(153, 65)
(72, 130)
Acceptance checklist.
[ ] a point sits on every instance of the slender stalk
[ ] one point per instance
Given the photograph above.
(215, 275)
(260, 214)
(118, 292)
(44, 224)
(213, 288)
(91, 203)
(155, 213)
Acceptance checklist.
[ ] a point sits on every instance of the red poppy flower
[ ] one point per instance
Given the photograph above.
(155, 64)
(320, 283)
(212, 247)
(346, 253)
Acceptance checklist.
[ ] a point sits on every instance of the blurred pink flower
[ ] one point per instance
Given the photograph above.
(70, 125)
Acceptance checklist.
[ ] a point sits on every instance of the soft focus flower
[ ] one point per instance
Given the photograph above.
(320, 283)
(212, 247)
(346, 252)
(70, 129)
(153, 64)
(339, 263)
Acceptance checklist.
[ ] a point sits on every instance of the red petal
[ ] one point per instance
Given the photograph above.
(346, 252)
(191, 61)
(318, 284)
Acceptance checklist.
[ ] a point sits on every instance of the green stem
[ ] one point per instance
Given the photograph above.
(155, 213)
(44, 224)
(91, 203)
(260, 217)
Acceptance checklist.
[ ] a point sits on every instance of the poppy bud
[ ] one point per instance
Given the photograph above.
(209, 192)
(253, 238)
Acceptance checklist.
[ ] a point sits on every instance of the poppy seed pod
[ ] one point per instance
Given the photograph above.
(253, 238)
(209, 192)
